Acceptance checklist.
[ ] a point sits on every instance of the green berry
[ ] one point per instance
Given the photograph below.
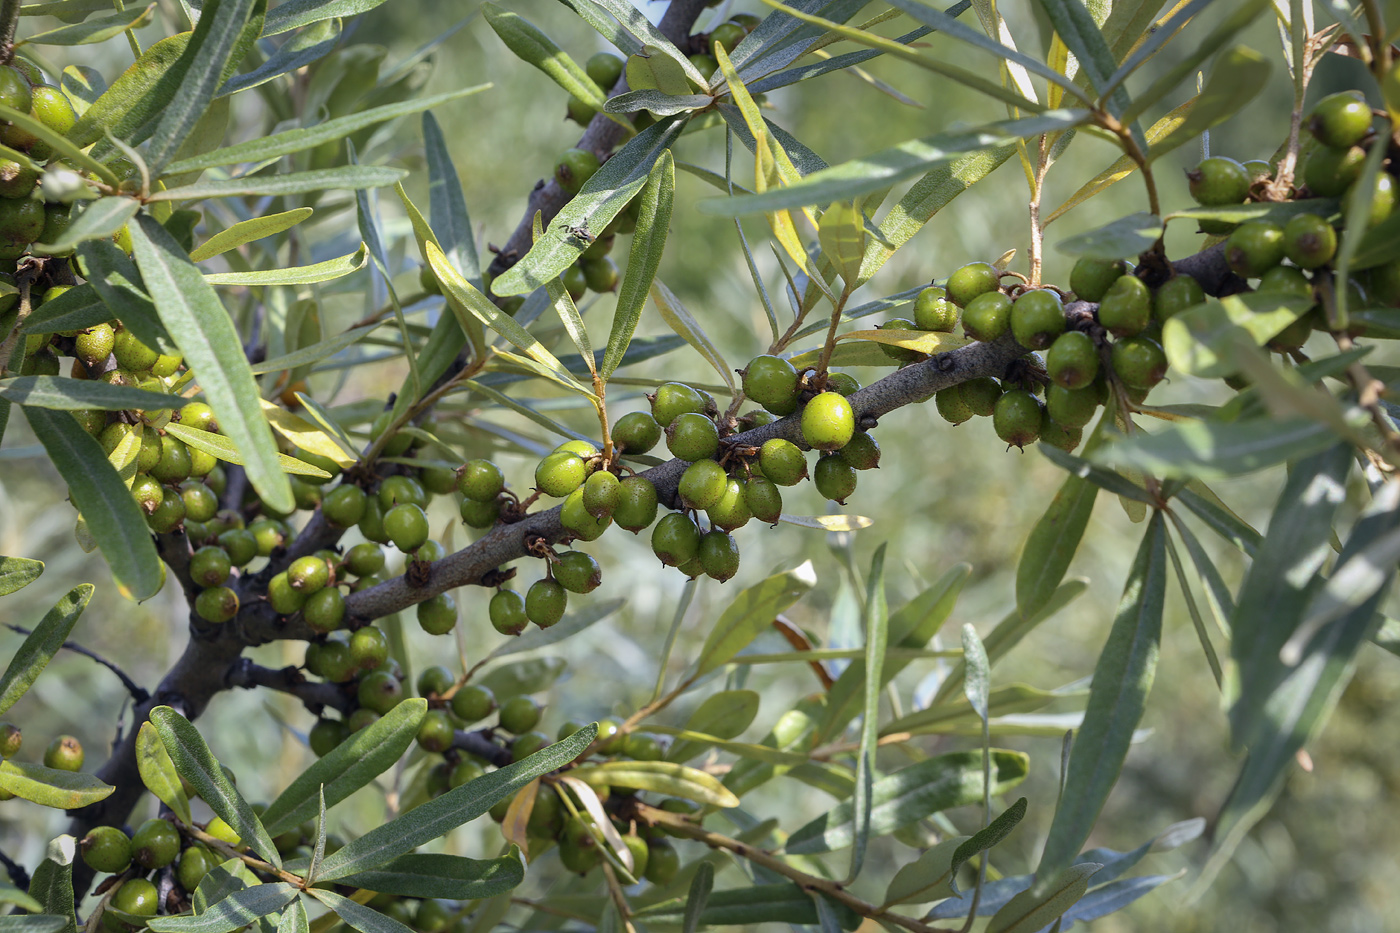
(106, 848)
(480, 480)
(520, 714)
(1328, 172)
(138, 897)
(283, 597)
(764, 499)
(862, 453)
(217, 604)
(155, 844)
(636, 432)
(828, 422)
(772, 382)
(1309, 241)
(324, 610)
(435, 733)
(326, 735)
(643, 747)
(987, 316)
(702, 484)
(507, 612)
(692, 436)
(732, 509)
(1218, 181)
(364, 559)
(545, 602)
(575, 167)
(1017, 418)
(578, 572)
(379, 691)
(167, 516)
(406, 525)
(971, 280)
(933, 311)
(369, 648)
(579, 111)
(835, 478)
(1139, 362)
(675, 539)
(309, 574)
(210, 566)
(396, 490)
(980, 395)
(478, 514)
(672, 399)
(1254, 248)
(437, 615)
(1057, 435)
(473, 702)
(577, 520)
(897, 353)
(1340, 120)
(1382, 198)
(200, 502)
(782, 461)
(435, 681)
(11, 738)
(1127, 307)
(1175, 295)
(728, 35)
(951, 406)
(65, 753)
(1090, 278)
(1073, 360)
(601, 493)
(636, 506)
(844, 383)
(15, 91)
(719, 555)
(560, 473)
(195, 863)
(575, 282)
(1037, 318)
(94, 345)
(344, 505)
(21, 223)
(600, 274)
(604, 68)
(663, 862)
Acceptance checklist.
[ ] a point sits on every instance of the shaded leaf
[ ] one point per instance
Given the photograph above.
(926, 878)
(1032, 910)
(1237, 76)
(648, 246)
(42, 644)
(662, 777)
(986, 838)
(443, 876)
(1052, 543)
(1120, 239)
(100, 219)
(294, 14)
(18, 572)
(313, 274)
(751, 612)
(158, 772)
(308, 46)
(50, 787)
(52, 882)
(1213, 450)
(684, 324)
(248, 231)
(343, 178)
(698, 896)
(62, 393)
(237, 910)
(224, 449)
(876, 624)
(724, 715)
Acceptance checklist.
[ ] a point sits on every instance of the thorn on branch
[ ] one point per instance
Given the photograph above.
(138, 693)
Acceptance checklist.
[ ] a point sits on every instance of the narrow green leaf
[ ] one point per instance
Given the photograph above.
(98, 221)
(136, 97)
(99, 29)
(1033, 910)
(102, 499)
(52, 882)
(18, 572)
(305, 48)
(533, 47)
(935, 719)
(357, 916)
(344, 178)
(876, 625)
(1120, 239)
(195, 316)
(1104, 479)
(42, 643)
(197, 765)
(991, 835)
(684, 324)
(436, 817)
(447, 205)
(1204, 340)
(881, 169)
(351, 765)
(659, 103)
(61, 393)
(9, 894)
(62, 146)
(237, 910)
(1214, 450)
(662, 777)
(636, 23)
(315, 352)
(912, 794)
(648, 246)
(116, 279)
(42, 923)
(444, 336)
(248, 231)
(1238, 75)
(926, 878)
(266, 148)
(600, 199)
(313, 274)
(1122, 679)
(530, 676)
(50, 787)
(293, 919)
(1208, 508)
(76, 309)
(573, 321)
(443, 876)
(724, 715)
(750, 613)
(697, 897)
(1075, 26)
(221, 447)
(158, 772)
(1052, 543)
(297, 13)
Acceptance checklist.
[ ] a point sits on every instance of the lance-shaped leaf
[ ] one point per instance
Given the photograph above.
(533, 47)
(1012, 698)
(266, 148)
(876, 623)
(989, 836)
(61, 393)
(1214, 450)
(751, 612)
(593, 208)
(158, 772)
(1122, 679)
(202, 329)
(224, 449)
(1236, 77)
(662, 777)
(308, 46)
(445, 876)
(698, 896)
(313, 274)
(103, 500)
(685, 325)
(97, 29)
(436, 817)
(1120, 239)
(351, 765)
(927, 878)
(1202, 340)
(117, 280)
(297, 13)
(42, 643)
(52, 884)
(18, 572)
(1051, 545)
(648, 245)
(248, 231)
(447, 205)
(50, 787)
(343, 178)
(196, 764)
(724, 715)
(1040, 906)
(209, 54)
(912, 794)
(237, 910)
(313, 353)
(635, 22)
(100, 219)
(76, 309)
(881, 169)
(356, 915)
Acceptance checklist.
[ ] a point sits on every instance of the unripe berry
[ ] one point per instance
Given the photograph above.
(764, 499)
(636, 507)
(1340, 120)
(1218, 181)
(672, 399)
(575, 167)
(106, 848)
(136, 896)
(379, 691)
(773, 383)
(604, 68)
(545, 602)
(933, 311)
(217, 604)
(369, 648)
(344, 505)
(1254, 248)
(507, 612)
(1328, 171)
(325, 735)
(1017, 418)
(987, 316)
(702, 484)
(437, 615)
(675, 539)
(971, 280)
(1073, 360)
(1127, 307)
(396, 490)
(324, 610)
(1309, 241)
(11, 738)
(951, 406)
(1090, 278)
(560, 473)
(732, 509)
(520, 714)
(576, 519)
(155, 844)
(601, 493)
(1175, 295)
(65, 753)
(578, 572)
(435, 733)
(1037, 318)
(835, 478)
(782, 461)
(406, 525)
(283, 597)
(844, 383)
(364, 559)
(980, 395)
(1139, 362)
(862, 453)
(692, 436)
(719, 555)
(898, 353)
(636, 432)
(308, 574)
(480, 514)
(480, 480)
(828, 422)
(473, 702)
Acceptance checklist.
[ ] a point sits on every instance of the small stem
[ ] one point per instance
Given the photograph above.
(252, 861)
(619, 899)
(138, 693)
(830, 346)
(9, 20)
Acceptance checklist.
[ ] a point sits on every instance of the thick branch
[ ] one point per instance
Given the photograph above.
(316, 696)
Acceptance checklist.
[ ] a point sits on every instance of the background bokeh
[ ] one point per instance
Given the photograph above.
(1324, 859)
